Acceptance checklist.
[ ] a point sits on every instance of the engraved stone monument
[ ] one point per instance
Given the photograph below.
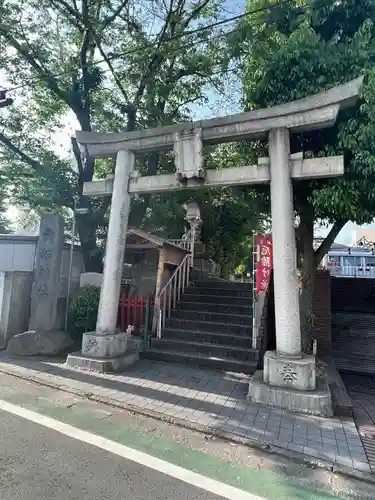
(46, 286)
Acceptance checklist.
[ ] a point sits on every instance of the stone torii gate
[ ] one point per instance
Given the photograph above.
(285, 369)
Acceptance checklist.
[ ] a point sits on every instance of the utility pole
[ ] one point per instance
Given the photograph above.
(4, 100)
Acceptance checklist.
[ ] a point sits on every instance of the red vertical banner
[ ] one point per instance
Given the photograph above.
(264, 258)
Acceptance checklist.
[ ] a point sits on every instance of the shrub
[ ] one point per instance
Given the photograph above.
(83, 311)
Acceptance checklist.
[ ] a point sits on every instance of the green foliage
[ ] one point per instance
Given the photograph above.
(146, 79)
(302, 48)
(83, 311)
(299, 49)
(4, 222)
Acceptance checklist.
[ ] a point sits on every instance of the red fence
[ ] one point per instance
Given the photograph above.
(132, 311)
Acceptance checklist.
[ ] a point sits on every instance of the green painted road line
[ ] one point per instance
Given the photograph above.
(263, 483)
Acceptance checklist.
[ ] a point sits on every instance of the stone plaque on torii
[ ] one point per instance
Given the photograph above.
(285, 369)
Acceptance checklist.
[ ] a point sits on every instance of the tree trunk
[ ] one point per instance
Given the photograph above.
(92, 255)
(307, 280)
(309, 260)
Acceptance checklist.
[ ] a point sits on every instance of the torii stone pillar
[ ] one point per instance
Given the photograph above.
(105, 342)
(289, 379)
(286, 367)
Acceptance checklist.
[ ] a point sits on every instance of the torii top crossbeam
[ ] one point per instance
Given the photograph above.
(312, 112)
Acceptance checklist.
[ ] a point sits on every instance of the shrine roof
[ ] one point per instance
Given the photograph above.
(154, 239)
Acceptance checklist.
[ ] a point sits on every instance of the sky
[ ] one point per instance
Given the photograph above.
(219, 106)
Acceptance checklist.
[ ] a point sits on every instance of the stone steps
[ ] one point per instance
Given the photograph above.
(218, 299)
(206, 349)
(215, 317)
(239, 341)
(210, 328)
(223, 285)
(201, 325)
(218, 292)
(209, 307)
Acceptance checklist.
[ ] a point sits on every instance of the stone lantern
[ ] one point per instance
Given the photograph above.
(193, 217)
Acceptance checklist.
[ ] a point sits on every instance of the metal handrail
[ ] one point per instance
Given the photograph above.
(172, 291)
(186, 244)
(185, 241)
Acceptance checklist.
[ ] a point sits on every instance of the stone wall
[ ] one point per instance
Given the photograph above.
(15, 292)
(353, 294)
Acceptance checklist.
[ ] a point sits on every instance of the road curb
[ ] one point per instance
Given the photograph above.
(227, 436)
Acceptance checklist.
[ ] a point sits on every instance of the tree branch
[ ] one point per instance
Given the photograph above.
(195, 12)
(328, 240)
(156, 59)
(72, 12)
(118, 11)
(22, 156)
(111, 68)
(43, 74)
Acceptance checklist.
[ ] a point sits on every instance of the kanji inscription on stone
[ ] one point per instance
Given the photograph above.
(45, 254)
(288, 374)
(42, 290)
(44, 271)
(46, 287)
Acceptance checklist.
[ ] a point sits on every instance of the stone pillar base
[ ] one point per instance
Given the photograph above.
(291, 384)
(102, 365)
(105, 353)
(104, 345)
(318, 402)
(290, 373)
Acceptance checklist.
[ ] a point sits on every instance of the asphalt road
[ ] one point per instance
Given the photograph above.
(37, 463)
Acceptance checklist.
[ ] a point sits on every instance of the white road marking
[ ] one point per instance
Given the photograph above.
(175, 471)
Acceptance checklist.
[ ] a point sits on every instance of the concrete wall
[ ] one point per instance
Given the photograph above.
(15, 293)
(17, 253)
(322, 312)
(17, 261)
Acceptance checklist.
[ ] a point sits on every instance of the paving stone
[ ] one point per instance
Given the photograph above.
(300, 440)
(281, 443)
(317, 453)
(343, 452)
(342, 441)
(360, 457)
(273, 430)
(329, 442)
(332, 450)
(296, 447)
(328, 437)
(357, 450)
(314, 444)
(345, 461)
(255, 435)
(300, 429)
(362, 466)
(355, 443)
(271, 436)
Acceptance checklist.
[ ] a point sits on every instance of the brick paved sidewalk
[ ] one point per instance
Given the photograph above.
(212, 401)
(361, 389)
